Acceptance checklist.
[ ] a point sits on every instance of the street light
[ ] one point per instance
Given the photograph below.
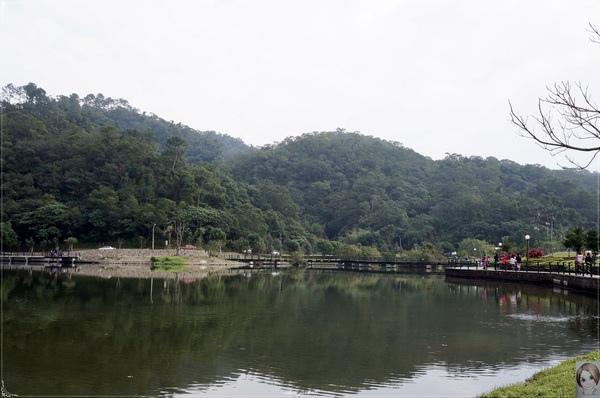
(500, 255)
(527, 237)
(153, 236)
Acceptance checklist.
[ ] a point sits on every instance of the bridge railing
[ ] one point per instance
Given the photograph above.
(559, 267)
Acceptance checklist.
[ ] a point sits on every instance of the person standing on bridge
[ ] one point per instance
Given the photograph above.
(579, 263)
(513, 262)
(589, 261)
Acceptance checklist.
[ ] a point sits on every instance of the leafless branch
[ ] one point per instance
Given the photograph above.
(576, 128)
(596, 34)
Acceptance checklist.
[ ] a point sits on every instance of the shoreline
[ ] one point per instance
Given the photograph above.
(121, 270)
(137, 263)
(555, 381)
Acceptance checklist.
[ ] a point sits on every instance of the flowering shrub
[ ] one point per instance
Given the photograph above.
(535, 253)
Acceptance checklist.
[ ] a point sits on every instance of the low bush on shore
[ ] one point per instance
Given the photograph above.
(168, 264)
(558, 381)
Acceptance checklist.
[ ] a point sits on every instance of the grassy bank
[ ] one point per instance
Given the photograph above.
(148, 263)
(168, 264)
(558, 381)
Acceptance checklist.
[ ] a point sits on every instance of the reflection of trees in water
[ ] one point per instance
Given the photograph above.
(311, 330)
(171, 292)
(538, 311)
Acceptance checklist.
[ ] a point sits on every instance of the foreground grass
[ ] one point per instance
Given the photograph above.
(168, 264)
(558, 381)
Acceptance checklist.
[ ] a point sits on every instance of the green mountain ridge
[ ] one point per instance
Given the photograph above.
(101, 171)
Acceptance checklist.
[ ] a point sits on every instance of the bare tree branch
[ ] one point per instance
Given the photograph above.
(576, 128)
(595, 34)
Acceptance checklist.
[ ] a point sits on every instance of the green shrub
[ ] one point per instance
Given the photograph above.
(167, 260)
(168, 264)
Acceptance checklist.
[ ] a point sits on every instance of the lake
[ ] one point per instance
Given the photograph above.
(300, 333)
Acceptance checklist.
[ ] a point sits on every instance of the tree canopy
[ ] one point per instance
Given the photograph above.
(97, 170)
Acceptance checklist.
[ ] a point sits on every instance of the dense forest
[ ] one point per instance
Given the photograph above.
(97, 171)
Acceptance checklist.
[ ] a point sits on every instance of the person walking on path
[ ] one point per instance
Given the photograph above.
(513, 262)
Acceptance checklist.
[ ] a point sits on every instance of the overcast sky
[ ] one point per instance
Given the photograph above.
(434, 75)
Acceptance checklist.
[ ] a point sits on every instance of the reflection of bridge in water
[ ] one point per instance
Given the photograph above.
(329, 263)
(555, 274)
(375, 265)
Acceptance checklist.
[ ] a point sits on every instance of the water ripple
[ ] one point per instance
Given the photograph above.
(531, 317)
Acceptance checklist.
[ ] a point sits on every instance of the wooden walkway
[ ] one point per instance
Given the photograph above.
(41, 261)
(585, 283)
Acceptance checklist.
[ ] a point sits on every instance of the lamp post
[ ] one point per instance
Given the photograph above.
(527, 237)
(500, 255)
(153, 236)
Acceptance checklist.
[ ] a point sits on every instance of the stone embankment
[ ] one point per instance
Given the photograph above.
(136, 263)
(584, 284)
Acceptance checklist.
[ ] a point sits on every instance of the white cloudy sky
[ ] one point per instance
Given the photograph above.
(434, 75)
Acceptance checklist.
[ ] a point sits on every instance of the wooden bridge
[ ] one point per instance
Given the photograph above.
(378, 264)
(39, 260)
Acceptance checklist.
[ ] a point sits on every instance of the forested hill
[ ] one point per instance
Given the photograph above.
(95, 111)
(366, 190)
(101, 172)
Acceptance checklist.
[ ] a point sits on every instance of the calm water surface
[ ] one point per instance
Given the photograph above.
(296, 333)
